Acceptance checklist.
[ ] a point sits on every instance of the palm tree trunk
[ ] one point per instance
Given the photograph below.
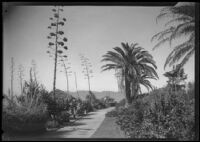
(127, 89)
(133, 91)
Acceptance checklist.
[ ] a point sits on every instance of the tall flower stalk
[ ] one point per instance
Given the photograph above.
(57, 44)
(67, 71)
(12, 75)
(87, 71)
(21, 76)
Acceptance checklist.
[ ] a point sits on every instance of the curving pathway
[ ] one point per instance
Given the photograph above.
(83, 128)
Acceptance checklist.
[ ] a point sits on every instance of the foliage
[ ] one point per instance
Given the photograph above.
(26, 112)
(176, 78)
(52, 124)
(94, 102)
(136, 66)
(63, 117)
(160, 114)
(107, 102)
(181, 23)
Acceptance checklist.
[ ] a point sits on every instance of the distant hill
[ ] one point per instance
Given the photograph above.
(115, 95)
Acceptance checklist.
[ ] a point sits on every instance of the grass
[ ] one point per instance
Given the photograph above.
(108, 129)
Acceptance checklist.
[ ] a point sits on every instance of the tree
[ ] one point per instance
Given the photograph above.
(21, 76)
(57, 44)
(134, 62)
(181, 24)
(87, 71)
(176, 78)
(120, 80)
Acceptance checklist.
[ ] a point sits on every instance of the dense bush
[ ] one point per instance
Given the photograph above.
(121, 103)
(27, 112)
(52, 124)
(93, 103)
(63, 117)
(158, 115)
(19, 118)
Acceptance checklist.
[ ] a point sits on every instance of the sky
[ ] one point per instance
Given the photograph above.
(92, 31)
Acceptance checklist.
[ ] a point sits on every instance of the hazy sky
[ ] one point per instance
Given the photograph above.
(90, 30)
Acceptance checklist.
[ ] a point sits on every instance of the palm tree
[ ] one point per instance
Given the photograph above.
(182, 23)
(133, 62)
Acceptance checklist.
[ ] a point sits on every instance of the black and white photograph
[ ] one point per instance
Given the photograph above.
(117, 71)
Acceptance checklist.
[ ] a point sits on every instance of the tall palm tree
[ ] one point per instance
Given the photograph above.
(133, 61)
(180, 24)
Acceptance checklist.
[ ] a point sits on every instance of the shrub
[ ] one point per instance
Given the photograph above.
(113, 113)
(159, 115)
(23, 119)
(26, 113)
(52, 124)
(121, 103)
(63, 117)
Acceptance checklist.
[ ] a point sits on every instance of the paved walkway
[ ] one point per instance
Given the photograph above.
(109, 129)
(83, 128)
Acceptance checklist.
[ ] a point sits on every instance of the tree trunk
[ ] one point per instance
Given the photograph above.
(133, 91)
(127, 89)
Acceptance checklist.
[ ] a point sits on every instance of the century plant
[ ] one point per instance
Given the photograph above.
(21, 76)
(57, 40)
(87, 69)
(181, 24)
(136, 66)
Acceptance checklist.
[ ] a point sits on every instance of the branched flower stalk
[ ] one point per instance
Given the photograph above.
(65, 64)
(12, 76)
(57, 44)
(21, 76)
(87, 71)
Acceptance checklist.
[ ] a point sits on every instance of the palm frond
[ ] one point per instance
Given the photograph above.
(179, 19)
(162, 34)
(183, 29)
